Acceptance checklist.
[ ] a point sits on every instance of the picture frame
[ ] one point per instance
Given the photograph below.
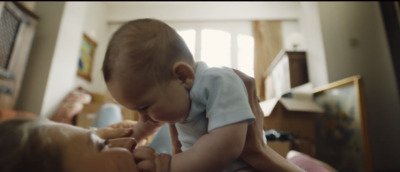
(341, 132)
(86, 57)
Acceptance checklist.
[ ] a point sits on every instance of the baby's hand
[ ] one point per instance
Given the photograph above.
(150, 161)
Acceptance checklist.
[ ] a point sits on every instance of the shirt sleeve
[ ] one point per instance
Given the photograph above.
(225, 97)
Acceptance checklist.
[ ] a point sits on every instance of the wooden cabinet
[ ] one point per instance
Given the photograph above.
(17, 28)
(287, 70)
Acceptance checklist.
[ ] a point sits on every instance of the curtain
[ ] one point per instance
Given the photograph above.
(267, 44)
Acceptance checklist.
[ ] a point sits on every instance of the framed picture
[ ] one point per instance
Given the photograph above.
(86, 57)
(341, 133)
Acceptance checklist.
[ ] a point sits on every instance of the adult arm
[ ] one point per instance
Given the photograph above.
(256, 152)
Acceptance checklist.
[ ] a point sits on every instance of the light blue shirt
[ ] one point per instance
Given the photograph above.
(218, 98)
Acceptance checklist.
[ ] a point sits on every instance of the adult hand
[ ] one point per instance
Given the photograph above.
(121, 129)
(150, 161)
(112, 133)
(256, 152)
(124, 124)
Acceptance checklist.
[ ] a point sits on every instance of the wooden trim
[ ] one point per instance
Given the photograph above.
(342, 82)
(88, 76)
(274, 62)
(26, 10)
(277, 59)
(11, 76)
(367, 147)
(357, 81)
(1, 7)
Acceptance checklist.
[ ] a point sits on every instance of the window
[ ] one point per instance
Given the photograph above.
(229, 44)
(189, 37)
(246, 54)
(216, 47)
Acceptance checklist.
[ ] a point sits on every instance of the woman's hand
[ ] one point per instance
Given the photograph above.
(150, 161)
(256, 152)
(124, 124)
(121, 129)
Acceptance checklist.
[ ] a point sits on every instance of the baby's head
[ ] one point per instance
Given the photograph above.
(143, 54)
(145, 47)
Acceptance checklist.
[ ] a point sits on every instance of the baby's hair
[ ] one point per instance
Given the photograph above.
(146, 46)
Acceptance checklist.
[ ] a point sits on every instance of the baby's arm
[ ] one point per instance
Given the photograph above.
(213, 151)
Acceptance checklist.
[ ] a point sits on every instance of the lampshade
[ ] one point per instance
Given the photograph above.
(295, 40)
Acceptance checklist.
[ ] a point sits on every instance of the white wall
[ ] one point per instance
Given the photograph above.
(43, 47)
(96, 27)
(206, 11)
(290, 27)
(342, 22)
(310, 27)
(64, 64)
(179, 12)
(51, 70)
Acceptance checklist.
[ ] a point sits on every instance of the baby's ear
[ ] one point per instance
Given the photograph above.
(184, 73)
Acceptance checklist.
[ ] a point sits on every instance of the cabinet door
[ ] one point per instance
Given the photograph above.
(17, 27)
(297, 68)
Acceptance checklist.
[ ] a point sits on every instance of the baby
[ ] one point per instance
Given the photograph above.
(148, 68)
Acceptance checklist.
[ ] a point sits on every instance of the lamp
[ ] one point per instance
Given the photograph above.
(295, 40)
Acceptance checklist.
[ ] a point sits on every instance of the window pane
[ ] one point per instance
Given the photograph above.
(190, 39)
(246, 54)
(9, 25)
(216, 48)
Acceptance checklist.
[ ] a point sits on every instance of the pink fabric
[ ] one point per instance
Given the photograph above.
(71, 106)
(307, 163)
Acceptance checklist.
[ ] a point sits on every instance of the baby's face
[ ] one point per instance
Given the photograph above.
(167, 103)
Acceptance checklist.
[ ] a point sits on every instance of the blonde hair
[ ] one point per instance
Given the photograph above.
(25, 147)
(146, 46)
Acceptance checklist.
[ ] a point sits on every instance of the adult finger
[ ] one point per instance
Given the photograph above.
(163, 162)
(123, 124)
(111, 133)
(146, 166)
(145, 158)
(144, 153)
(125, 142)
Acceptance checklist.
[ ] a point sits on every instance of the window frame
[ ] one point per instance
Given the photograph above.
(235, 28)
